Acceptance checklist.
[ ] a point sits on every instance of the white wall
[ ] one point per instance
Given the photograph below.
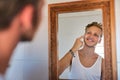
(117, 13)
(30, 60)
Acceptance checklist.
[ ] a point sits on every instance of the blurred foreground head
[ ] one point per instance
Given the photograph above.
(24, 14)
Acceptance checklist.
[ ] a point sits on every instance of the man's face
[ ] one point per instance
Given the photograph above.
(92, 36)
(29, 32)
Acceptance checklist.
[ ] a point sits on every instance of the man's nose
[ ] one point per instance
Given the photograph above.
(91, 36)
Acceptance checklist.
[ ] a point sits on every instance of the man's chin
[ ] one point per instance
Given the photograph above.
(90, 45)
(26, 39)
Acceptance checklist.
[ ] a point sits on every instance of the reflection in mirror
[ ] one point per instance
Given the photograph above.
(72, 26)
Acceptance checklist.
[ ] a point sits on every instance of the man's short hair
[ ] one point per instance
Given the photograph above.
(10, 8)
(98, 25)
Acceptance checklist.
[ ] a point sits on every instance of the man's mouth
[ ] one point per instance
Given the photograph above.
(90, 40)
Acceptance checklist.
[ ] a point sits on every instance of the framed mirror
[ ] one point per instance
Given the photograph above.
(67, 21)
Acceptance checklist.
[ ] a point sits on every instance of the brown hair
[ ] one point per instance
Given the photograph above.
(10, 8)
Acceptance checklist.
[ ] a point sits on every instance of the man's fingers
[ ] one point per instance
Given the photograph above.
(81, 38)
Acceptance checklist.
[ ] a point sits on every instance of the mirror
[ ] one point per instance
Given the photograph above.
(59, 28)
(71, 26)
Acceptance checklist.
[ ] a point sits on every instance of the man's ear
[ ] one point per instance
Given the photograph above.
(26, 16)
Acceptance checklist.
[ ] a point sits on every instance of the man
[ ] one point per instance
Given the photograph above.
(19, 21)
(85, 63)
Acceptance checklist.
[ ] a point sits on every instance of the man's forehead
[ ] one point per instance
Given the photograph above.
(98, 31)
(93, 28)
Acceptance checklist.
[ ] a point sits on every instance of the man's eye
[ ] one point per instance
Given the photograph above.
(88, 33)
(96, 35)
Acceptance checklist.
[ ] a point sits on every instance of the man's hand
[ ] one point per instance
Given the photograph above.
(78, 43)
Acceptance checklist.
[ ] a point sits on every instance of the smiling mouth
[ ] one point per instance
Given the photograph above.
(90, 40)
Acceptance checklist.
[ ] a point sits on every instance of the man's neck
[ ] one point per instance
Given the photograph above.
(9, 38)
(7, 45)
(88, 51)
(8, 41)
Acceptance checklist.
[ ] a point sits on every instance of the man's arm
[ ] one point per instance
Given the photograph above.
(67, 59)
(64, 62)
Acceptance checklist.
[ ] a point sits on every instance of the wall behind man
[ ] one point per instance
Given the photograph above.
(30, 60)
(117, 16)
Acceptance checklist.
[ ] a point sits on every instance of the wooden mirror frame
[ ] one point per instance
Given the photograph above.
(110, 70)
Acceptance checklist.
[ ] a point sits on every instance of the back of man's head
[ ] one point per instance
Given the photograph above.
(10, 8)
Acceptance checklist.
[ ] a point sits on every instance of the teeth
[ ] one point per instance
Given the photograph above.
(90, 40)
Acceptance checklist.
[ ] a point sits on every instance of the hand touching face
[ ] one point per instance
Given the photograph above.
(78, 43)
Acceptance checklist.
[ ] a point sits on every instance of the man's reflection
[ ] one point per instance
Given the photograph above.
(84, 63)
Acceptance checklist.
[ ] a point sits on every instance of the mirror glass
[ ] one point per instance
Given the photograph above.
(71, 26)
